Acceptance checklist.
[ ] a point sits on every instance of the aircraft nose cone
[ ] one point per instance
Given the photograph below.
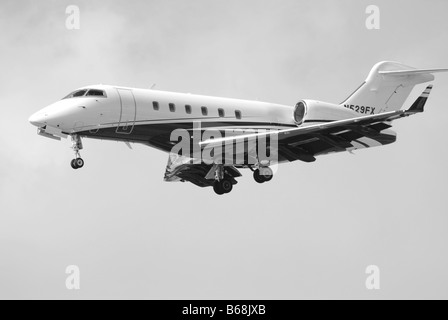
(37, 119)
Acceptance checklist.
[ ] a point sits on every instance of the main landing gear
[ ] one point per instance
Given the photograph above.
(222, 183)
(263, 174)
(223, 186)
(78, 162)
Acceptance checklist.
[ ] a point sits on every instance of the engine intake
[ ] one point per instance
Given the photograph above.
(300, 111)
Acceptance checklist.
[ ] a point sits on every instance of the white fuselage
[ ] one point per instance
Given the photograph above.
(136, 107)
(148, 116)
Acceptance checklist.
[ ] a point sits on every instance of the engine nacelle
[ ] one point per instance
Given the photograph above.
(318, 111)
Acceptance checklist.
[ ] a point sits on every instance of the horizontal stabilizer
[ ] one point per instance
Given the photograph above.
(410, 72)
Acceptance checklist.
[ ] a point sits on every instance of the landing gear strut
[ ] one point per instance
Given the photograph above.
(78, 162)
(263, 174)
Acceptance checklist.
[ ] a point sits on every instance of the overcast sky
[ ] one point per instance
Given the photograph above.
(310, 233)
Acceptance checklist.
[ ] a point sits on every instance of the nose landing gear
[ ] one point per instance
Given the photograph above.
(78, 162)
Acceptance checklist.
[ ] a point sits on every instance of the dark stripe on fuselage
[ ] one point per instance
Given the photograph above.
(312, 121)
(158, 134)
(214, 123)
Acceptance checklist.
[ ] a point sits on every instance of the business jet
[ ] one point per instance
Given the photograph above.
(302, 131)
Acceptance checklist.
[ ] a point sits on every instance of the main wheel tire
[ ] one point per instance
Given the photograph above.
(79, 163)
(217, 188)
(257, 177)
(73, 164)
(226, 185)
(266, 174)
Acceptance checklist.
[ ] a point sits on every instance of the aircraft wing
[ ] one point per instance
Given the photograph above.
(303, 143)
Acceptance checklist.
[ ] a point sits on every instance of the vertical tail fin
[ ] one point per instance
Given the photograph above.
(387, 87)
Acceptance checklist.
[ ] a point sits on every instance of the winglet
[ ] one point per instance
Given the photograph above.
(419, 104)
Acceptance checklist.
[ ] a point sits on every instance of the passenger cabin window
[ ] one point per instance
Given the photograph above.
(172, 107)
(188, 109)
(155, 105)
(204, 111)
(221, 113)
(238, 114)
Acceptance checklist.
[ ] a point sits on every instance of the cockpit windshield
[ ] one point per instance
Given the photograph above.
(87, 93)
(96, 93)
(75, 94)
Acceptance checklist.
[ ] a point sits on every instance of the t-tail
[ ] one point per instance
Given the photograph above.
(388, 86)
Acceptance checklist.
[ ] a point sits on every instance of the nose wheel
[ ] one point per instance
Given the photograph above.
(78, 162)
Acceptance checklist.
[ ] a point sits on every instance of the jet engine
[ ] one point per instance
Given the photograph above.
(318, 111)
